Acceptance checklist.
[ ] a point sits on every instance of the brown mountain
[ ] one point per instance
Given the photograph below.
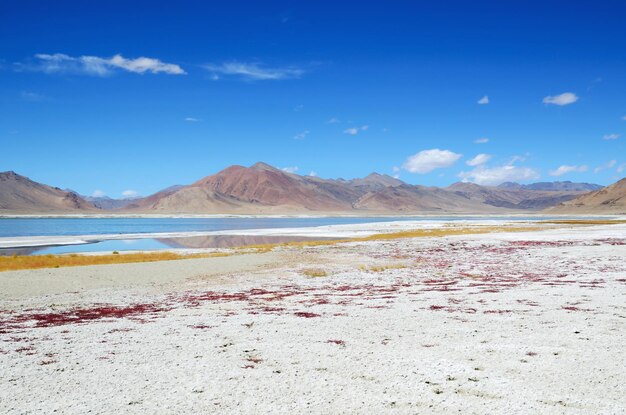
(408, 198)
(19, 195)
(516, 197)
(260, 188)
(610, 200)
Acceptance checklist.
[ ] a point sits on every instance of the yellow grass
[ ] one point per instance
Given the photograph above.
(418, 233)
(586, 222)
(12, 263)
(315, 273)
(381, 268)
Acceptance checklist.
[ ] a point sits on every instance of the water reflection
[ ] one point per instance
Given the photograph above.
(230, 241)
(194, 242)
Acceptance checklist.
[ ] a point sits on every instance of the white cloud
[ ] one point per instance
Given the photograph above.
(312, 173)
(356, 130)
(253, 71)
(95, 65)
(482, 140)
(483, 101)
(565, 98)
(496, 175)
(290, 169)
(624, 118)
(130, 193)
(395, 169)
(333, 120)
(428, 160)
(621, 168)
(192, 119)
(98, 193)
(302, 135)
(478, 160)
(608, 165)
(564, 169)
(31, 96)
(610, 137)
(515, 159)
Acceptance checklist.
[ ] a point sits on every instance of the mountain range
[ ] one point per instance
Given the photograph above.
(263, 189)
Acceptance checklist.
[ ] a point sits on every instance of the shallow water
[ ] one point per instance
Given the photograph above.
(25, 227)
(194, 242)
(10, 227)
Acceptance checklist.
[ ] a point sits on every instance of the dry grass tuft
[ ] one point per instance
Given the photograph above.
(381, 268)
(13, 263)
(314, 272)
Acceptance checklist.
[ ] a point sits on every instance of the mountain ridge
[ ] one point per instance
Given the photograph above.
(264, 189)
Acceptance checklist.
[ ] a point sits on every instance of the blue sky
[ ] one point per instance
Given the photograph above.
(111, 97)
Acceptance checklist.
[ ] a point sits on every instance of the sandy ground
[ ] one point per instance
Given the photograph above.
(515, 323)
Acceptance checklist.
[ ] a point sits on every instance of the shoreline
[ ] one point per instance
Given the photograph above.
(301, 215)
(324, 231)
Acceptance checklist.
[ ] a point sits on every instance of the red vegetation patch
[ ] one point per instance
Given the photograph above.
(498, 311)
(47, 362)
(201, 326)
(82, 315)
(574, 308)
(306, 314)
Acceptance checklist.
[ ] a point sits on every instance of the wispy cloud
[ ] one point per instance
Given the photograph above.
(356, 130)
(483, 101)
(292, 169)
(496, 175)
(565, 169)
(253, 71)
(482, 140)
(333, 120)
(31, 96)
(192, 119)
(610, 136)
(608, 165)
(302, 135)
(130, 193)
(312, 173)
(479, 159)
(621, 168)
(98, 193)
(565, 98)
(624, 118)
(428, 160)
(60, 63)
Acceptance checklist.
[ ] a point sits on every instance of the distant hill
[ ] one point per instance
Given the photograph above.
(610, 200)
(516, 196)
(107, 203)
(20, 195)
(566, 186)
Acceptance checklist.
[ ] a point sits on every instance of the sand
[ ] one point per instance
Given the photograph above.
(507, 323)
